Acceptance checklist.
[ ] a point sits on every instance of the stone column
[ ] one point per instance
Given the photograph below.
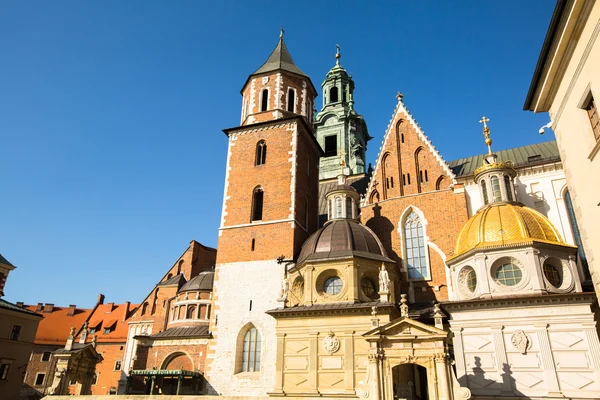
(279, 364)
(313, 361)
(349, 363)
(548, 361)
(503, 367)
(374, 372)
(441, 369)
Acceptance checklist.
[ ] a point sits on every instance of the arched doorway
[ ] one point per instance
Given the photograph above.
(409, 382)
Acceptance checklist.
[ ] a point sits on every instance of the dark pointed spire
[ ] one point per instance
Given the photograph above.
(280, 59)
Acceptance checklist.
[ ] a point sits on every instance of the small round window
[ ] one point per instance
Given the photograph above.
(553, 275)
(508, 274)
(333, 285)
(368, 287)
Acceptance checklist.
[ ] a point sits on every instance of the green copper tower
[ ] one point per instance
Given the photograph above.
(340, 130)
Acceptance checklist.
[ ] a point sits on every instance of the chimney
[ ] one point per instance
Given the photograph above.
(71, 311)
(126, 311)
(20, 304)
(100, 299)
(39, 307)
(48, 307)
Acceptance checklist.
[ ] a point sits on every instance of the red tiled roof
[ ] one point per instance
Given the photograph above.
(54, 328)
(111, 315)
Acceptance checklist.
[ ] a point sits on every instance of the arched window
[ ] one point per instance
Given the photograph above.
(291, 100)
(191, 312)
(496, 194)
(251, 351)
(257, 204)
(333, 95)
(144, 308)
(348, 207)
(261, 153)
(509, 192)
(484, 193)
(264, 100)
(338, 207)
(415, 255)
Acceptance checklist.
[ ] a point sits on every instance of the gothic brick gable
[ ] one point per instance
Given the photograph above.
(407, 163)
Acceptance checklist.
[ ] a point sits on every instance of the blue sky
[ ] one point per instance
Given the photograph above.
(111, 114)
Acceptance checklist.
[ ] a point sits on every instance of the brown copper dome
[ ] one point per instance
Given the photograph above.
(202, 281)
(342, 238)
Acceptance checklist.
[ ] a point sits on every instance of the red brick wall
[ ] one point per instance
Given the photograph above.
(150, 357)
(406, 152)
(275, 177)
(107, 376)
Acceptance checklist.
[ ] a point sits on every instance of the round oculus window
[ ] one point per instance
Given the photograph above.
(553, 275)
(368, 287)
(508, 274)
(333, 285)
(468, 279)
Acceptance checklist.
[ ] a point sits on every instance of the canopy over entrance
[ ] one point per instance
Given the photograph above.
(166, 381)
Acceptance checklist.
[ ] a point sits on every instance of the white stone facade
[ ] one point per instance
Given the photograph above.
(245, 290)
(135, 329)
(527, 347)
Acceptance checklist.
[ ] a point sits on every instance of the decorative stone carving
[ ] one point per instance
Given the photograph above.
(403, 306)
(384, 280)
(285, 288)
(521, 341)
(265, 80)
(331, 343)
(362, 389)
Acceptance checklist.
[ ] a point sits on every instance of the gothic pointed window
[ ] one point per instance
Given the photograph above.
(251, 349)
(261, 153)
(264, 100)
(509, 192)
(257, 204)
(415, 248)
(333, 95)
(291, 101)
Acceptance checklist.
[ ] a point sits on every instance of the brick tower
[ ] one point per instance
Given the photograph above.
(269, 210)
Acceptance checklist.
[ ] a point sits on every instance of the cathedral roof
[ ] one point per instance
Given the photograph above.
(505, 224)
(280, 59)
(532, 154)
(342, 238)
(202, 281)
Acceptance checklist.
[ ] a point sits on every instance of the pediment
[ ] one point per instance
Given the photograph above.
(407, 327)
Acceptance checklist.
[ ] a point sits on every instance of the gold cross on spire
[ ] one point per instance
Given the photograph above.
(337, 54)
(486, 133)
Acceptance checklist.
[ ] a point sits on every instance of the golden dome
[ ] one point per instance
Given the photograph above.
(505, 224)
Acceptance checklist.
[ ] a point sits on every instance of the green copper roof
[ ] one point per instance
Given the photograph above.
(532, 154)
(5, 261)
(280, 59)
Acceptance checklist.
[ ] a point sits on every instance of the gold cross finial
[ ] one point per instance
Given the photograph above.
(399, 96)
(486, 133)
(337, 54)
(281, 32)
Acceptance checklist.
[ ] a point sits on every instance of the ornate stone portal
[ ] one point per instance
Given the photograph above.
(407, 356)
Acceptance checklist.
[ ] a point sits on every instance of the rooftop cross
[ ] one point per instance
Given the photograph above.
(486, 133)
(399, 96)
(337, 54)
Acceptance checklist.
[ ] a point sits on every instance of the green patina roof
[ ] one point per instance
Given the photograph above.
(5, 261)
(532, 154)
(280, 59)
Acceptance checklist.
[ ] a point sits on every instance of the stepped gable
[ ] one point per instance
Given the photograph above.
(407, 163)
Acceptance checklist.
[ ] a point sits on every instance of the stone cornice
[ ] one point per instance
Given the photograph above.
(534, 300)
